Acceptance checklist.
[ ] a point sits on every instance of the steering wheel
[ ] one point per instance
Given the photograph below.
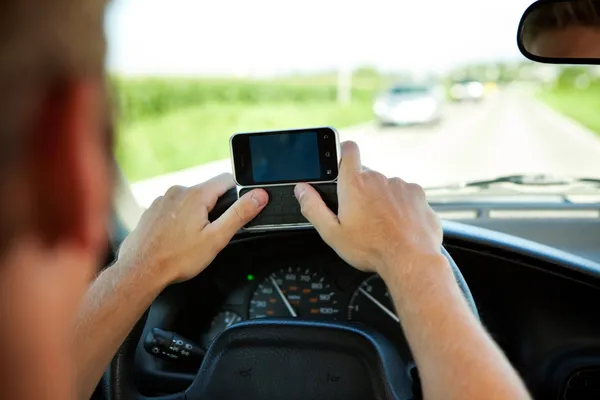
(287, 359)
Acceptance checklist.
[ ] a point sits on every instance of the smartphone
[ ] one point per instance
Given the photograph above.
(285, 157)
(276, 161)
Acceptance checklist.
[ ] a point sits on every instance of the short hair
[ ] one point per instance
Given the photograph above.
(43, 43)
(559, 15)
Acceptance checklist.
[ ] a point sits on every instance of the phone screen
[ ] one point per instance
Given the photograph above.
(302, 155)
(285, 157)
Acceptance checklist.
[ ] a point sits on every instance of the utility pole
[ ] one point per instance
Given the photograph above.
(344, 85)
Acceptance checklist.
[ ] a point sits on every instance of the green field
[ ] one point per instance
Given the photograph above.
(583, 105)
(166, 125)
(197, 135)
(576, 94)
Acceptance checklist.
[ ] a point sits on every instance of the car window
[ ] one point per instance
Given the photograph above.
(188, 74)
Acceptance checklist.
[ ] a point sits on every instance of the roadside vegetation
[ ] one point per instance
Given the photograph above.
(167, 124)
(576, 94)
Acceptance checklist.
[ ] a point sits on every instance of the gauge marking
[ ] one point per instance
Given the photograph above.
(369, 300)
(381, 306)
(294, 291)
(283, 298)
(220, 322)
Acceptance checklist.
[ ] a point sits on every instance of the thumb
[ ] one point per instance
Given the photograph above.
(244, 210)
(316, 211)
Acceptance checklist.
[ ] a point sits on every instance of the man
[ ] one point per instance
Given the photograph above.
(567, 29)
(56, 179)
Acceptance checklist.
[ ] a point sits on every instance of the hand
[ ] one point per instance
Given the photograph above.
(174, 237)
(379, 221)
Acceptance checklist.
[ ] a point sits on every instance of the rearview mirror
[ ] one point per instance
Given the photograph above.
(561, 32)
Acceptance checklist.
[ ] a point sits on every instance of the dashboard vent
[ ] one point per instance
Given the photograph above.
(583, 385)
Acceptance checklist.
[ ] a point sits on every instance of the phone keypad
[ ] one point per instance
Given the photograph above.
(283, 207)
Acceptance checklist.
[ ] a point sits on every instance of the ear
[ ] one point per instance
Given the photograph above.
(70, 167)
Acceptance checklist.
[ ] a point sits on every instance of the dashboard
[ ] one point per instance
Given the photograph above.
(286, 282)
(314, 288)
(539, 304)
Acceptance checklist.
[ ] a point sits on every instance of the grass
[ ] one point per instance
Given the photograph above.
(149, 97)
(200, 134)
(583, 105)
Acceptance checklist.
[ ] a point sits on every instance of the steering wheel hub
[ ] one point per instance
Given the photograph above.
(297, 360)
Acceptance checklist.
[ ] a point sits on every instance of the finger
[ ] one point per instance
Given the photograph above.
(173, 196)
(417, 192)
(155, 207)
(397, 181)
(151, 213)
(244, 210)
(212, 189)
(316, 211)
(350, 163)
(157, 202)
(175, 191)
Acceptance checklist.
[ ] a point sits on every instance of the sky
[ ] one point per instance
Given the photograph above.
(269, 37)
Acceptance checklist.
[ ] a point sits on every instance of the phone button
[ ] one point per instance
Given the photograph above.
(329, 172)
(327, 154)
(325, 137)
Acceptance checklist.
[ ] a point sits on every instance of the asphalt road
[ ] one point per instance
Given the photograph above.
(508, 133)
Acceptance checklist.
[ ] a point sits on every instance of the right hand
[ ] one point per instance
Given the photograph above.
(380, 221)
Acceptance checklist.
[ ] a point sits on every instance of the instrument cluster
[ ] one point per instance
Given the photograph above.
(310, 291)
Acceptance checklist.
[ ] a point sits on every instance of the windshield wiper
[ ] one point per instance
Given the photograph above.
(520, 180)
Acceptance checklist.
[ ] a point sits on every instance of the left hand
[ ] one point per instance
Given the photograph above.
(174, 238)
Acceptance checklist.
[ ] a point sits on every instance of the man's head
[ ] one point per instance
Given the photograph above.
(53, 118)
(55, 170)
(564, 29)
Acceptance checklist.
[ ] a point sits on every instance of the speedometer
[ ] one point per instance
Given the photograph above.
(294, 292)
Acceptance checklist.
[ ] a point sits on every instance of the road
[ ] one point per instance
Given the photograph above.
(508, 133)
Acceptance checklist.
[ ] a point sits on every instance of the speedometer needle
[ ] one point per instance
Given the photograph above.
(283, 298)
(378, 304)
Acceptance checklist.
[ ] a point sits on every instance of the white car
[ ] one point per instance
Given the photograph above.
(409, 105)
(467, 90)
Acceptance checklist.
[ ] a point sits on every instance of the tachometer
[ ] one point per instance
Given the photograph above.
(371, 303)
(295, 292)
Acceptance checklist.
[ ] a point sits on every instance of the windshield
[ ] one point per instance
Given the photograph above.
(188, 74)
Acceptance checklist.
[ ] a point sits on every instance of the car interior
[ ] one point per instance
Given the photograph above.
(530, 271)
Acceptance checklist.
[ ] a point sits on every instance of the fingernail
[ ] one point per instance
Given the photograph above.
(299, 191)
(260, 198)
